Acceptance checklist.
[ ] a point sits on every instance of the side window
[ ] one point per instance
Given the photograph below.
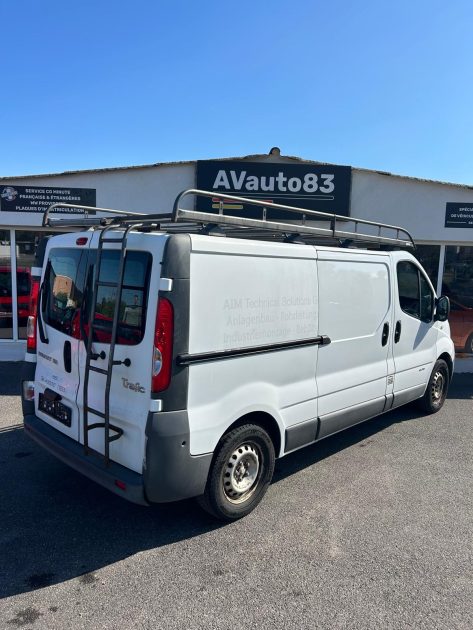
(64, 288)
(133, 302)
(415, 295)
(408, 285)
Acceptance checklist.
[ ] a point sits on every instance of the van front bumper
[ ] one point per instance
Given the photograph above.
(92, 466)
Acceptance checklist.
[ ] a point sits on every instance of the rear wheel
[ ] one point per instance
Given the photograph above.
(437, 388)
(240, 474)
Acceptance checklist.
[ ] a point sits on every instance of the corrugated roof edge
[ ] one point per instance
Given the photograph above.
(279, 159)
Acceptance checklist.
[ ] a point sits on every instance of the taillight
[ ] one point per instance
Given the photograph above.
(162, 351)
(33, 311)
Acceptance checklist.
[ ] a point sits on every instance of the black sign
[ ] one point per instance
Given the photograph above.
(39, 198)
(312, 186)
(459, 215)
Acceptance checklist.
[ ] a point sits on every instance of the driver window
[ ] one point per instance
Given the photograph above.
(408, 285)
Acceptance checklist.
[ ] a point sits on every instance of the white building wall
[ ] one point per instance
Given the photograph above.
(145, 189)
(419, 206)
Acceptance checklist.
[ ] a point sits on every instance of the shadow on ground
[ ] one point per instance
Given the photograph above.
(10, 378)
(57, 525)
(461, 387)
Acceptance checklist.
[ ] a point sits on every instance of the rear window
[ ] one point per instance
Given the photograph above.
(64, 282)
(69, 283)
(133, 301)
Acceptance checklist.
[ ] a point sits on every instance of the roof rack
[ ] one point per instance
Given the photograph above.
(330, 228)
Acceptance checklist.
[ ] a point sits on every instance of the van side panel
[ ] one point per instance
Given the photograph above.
(251, 294)
(355, 309)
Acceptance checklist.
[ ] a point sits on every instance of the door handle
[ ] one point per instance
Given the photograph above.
(67, 356)
(385, 336)
(397, 332)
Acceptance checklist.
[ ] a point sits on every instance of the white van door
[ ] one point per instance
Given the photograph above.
(415, 334)
(57, 372)
(131, 379)
(355, 311)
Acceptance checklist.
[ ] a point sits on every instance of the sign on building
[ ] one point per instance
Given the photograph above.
(39, 198)
(459, 215)
(311, 186)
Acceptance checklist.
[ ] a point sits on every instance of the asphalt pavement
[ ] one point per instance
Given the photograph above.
(368, 529)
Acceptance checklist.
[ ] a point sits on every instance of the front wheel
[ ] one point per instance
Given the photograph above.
(437, 388)
(240, 474)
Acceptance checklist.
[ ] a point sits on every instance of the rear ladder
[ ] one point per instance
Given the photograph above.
(93, 356)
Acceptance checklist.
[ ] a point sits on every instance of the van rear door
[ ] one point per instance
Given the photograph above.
(131, 379)
(57, 371)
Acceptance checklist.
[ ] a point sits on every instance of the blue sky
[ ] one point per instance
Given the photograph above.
(369, 83)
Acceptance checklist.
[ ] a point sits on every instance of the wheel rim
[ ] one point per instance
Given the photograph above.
(438, 388)
(242, 473)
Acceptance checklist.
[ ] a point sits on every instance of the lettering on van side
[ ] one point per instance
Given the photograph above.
(135, 387)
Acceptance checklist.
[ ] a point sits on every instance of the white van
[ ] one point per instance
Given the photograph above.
(175, 357)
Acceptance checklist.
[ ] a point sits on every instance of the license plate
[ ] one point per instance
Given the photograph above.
(56, 410)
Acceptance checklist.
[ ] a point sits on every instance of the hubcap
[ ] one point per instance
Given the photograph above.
(240, 475)
(438, 384)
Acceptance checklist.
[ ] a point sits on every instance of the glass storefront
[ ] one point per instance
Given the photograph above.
(6, 289)
(25, 243)
(429, 257)
(457, 283)
(17, 247)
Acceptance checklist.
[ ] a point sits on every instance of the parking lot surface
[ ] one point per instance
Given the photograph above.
(368, 529)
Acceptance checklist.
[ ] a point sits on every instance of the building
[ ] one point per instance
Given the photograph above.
(439, 215)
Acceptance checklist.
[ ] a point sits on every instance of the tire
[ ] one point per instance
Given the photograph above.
(240, 474)
(469, 345)
(437, 388)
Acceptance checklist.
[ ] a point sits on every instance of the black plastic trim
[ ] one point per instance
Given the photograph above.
(171, 473)
(301, 435)
(204, 357)
(338, 420)
(407, 395)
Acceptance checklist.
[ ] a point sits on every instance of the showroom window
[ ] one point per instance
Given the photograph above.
(429, 256)
(458, 285)
(17, 250)
(6, 289)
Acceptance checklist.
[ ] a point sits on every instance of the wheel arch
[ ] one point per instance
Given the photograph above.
(449, 361)
(266, 421)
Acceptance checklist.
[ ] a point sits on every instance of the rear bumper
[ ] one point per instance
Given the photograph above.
(171, 473)
(93, 466)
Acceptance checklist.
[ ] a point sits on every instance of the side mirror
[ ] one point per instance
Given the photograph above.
(443, 309)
